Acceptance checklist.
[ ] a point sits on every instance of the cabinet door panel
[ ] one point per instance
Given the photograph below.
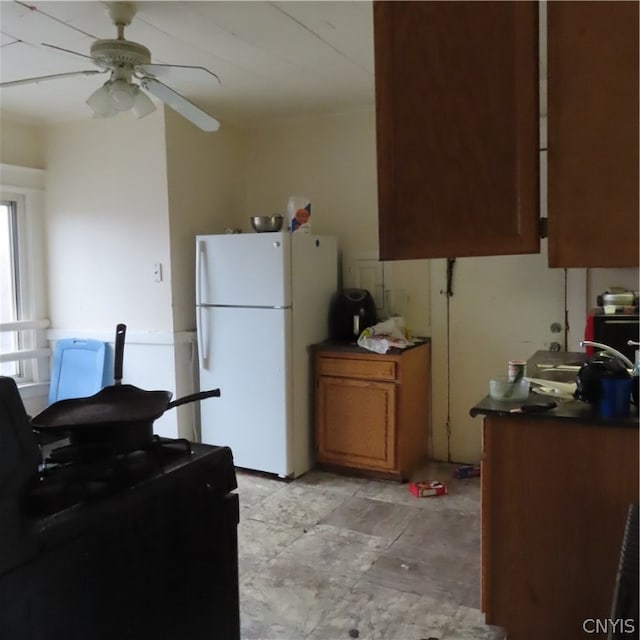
(554, 503)
(457, 128)
(355, 421)
(593, 134)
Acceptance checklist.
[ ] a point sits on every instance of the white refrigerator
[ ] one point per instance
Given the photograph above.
(261, 300)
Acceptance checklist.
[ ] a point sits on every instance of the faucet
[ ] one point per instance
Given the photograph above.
(609, 350)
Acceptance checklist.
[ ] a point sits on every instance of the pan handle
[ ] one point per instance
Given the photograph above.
(201, 395)
(121, 331)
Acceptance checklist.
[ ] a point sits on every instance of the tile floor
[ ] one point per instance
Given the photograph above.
(331, 557)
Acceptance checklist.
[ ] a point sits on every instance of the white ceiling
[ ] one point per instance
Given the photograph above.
(274, 59)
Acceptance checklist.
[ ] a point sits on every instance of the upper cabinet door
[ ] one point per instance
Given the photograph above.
(457, 128)
(593, 134)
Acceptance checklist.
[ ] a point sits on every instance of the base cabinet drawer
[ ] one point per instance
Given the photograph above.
(372, 411)
(368, 369)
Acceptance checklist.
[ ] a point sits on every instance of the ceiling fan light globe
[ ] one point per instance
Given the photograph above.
(100, 102)
(122, 95)
(142, 104)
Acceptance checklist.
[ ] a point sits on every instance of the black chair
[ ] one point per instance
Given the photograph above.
(19, 458)
(624, 609)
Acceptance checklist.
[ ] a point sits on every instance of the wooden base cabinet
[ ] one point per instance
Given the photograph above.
(372, 411)
(555, 496)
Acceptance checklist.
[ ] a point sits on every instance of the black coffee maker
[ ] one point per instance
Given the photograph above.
(352, 311)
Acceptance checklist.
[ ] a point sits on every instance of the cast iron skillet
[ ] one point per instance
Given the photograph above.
(118, 407)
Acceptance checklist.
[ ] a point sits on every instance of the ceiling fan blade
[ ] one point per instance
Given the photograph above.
(159, 69)
(75, 53)
(180, 104)
(55, 76)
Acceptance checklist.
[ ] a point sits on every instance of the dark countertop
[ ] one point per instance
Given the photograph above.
(567, 410)
(352, 347)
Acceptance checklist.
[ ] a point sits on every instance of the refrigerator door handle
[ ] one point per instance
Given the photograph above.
(201, 260)
(203, 338)
(202, 335)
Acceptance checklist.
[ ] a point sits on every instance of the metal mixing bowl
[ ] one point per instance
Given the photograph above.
(266, 223)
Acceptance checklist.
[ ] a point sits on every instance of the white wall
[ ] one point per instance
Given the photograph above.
(502, 308)
(123, 194)
(108, 223)
(206, 187)
(205, 181)
(331, 160)
(21, 143)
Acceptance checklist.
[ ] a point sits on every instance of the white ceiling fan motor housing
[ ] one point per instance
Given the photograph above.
(110, 54)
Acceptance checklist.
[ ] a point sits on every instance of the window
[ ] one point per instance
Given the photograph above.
(24, 349)
(10, 285)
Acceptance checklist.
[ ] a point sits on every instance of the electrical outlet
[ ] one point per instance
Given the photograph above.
(157, 272)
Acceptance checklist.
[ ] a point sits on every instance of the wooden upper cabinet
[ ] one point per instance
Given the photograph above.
(457, 128)
(593, 134)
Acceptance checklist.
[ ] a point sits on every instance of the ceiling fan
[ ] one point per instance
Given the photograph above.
(127, 61)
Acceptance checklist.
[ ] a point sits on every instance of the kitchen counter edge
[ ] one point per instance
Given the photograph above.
(567, 410)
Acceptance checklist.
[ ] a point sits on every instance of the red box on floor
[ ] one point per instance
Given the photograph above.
(428, 488)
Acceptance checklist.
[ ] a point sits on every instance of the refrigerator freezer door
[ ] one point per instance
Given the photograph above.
(249, 359)
(252, 269)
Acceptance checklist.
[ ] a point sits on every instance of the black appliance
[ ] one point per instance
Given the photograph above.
(136, 546)
(615, 330)
(352, 311)
(598, 366)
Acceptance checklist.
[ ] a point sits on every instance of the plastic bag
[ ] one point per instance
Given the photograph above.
(385, 335)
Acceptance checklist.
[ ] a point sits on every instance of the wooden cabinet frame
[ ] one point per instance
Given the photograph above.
(373, 412)
(593, 134)
(555, 496)
(457, 126)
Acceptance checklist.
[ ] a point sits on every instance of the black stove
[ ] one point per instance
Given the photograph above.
(72, 474)
(96, 545)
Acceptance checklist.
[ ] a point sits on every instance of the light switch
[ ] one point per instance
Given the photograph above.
(157, 272)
